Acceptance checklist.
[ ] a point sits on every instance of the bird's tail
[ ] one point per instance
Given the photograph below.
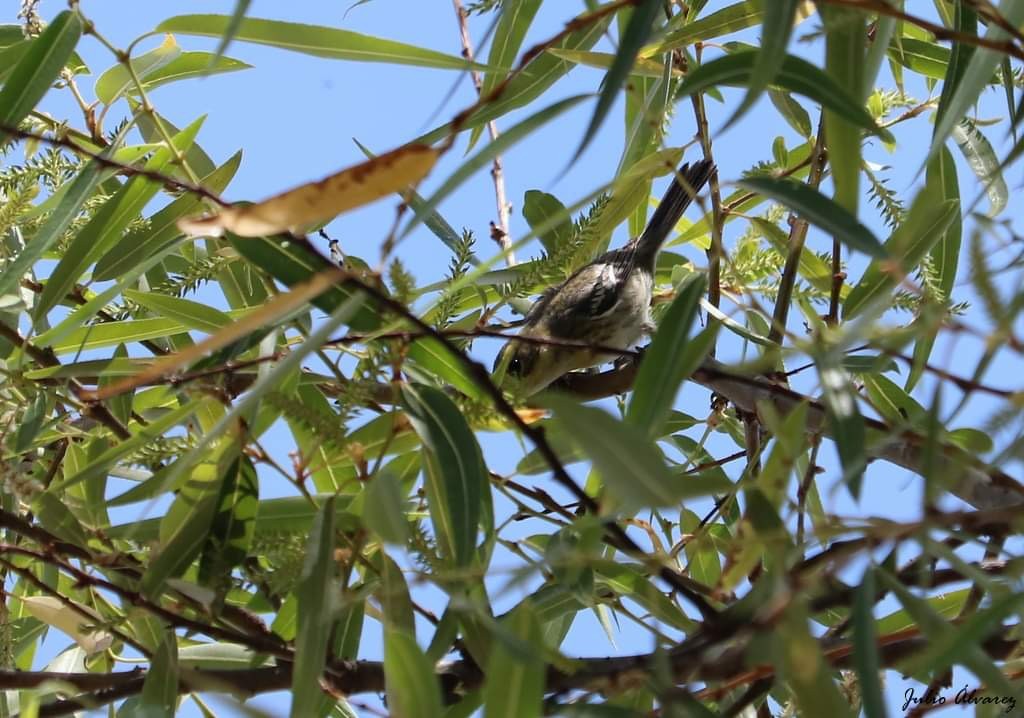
(688, 182)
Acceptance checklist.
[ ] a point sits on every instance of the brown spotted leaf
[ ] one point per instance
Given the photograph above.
(320, 201)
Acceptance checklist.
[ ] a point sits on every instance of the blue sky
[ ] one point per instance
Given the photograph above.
(296, 116)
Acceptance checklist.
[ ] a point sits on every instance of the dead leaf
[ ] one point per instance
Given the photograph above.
(317, 202)
(68, 617)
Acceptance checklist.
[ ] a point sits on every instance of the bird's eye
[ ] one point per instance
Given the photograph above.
(515, 366)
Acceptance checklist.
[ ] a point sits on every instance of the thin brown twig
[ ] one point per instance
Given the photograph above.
(500, 232)
(795, 246)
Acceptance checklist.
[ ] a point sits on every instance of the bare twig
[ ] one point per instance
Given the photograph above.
(500, 232)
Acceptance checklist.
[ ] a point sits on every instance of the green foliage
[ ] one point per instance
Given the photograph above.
(244, 464)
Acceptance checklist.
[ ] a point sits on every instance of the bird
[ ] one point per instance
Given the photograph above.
(606, 303)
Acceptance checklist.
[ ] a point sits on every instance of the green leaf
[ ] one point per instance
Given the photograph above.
(141, 436)
(925, 224)
(159, 695)
(38, 69)
(193, 315)
(947, 644)
(516, 688)
(965, 21)
(667, 362)
(316, 590)
(54, 515)
(107, 224)
(895, 405)
(530, 83)
(188, 65)
(865, 648)
(976, 76)
(456, 475)
(631, 466)
(118, 80)
(195, 157)
(439, 364)
(775, 32)
(411, 685)
(945, 255)
(161, 229)
(513, 24)
(729, 19)
(329, 42)
(641, 21)
(845, 30)
(541, 209)
(237, 16)
(982, 160)
(795, 74)
(294, 262)
(384, 510)
(847, 424)
(481, 159)
(818, 210)
(234, 524)
(792, 112)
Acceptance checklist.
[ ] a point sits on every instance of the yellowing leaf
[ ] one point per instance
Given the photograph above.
(61, 615)
(320, 201)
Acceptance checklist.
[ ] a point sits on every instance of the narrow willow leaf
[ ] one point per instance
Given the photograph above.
(316, 590)
(93, 240)
(195, 156)
(540, 73)
(641, 22)
(976, 75)
(234, 24)
(818, 210)
(945, 255)
(666, 363)
(38, 69)
(732, 18)
(159, 695)
(804, 668)
(847, 424)
(439, 364)
(513, 24)
(845, 30)
(383, 509)
(186, 526)
(56, 517)
(456, 475)
(190, 65)
(294, 262)
(193, 315)
(775, 32)
(931, 623)
(293, 514)
(79, 190)
(411, 685)
(481, 159)
(645, 107)
(795, 74)
(141, 436)
(234, 524)
(541, 209)
(982, 160)
(118, 80)
(631, 466)
(161, 229)
(519, 691)
(925, 224)
(329, 42)
(317, 202)
(965, 20)
(437, 224)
